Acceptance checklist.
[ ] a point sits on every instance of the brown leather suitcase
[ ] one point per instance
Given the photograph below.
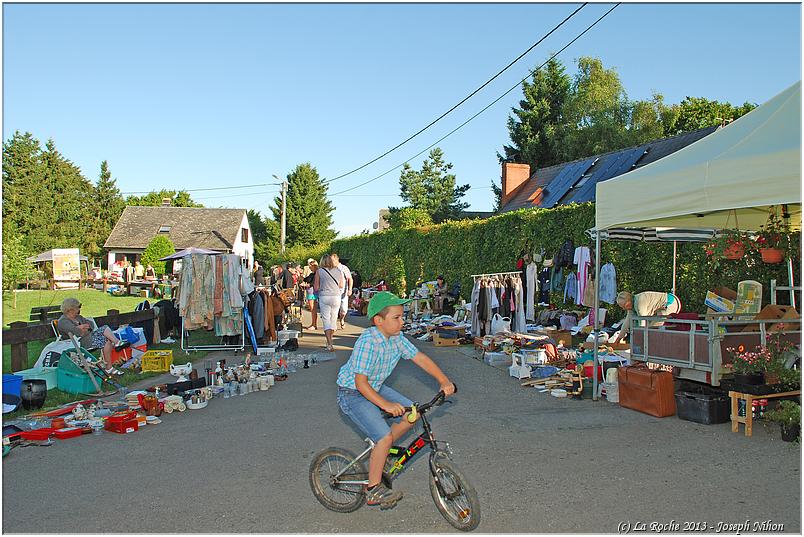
(647, 390)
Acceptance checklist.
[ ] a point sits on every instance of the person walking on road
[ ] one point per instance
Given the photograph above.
(347, 290)
(328, 283)
(312, 299)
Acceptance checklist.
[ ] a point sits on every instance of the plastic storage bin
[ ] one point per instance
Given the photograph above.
(75, 382)
(48, 374)
(703, 408)
(11, 384)
(157, 360)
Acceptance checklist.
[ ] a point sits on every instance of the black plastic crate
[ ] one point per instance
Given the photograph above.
(703, 408)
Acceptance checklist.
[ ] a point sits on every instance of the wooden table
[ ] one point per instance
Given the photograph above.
(748, 419)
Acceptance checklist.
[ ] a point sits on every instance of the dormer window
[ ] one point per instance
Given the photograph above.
(164, 229)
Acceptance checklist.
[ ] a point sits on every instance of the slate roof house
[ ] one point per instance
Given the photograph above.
(575, 181)
(222, 230)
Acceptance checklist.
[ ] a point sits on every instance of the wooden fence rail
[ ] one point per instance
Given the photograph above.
(20, 333)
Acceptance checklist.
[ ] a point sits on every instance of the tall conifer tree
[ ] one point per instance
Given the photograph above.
(309, 212)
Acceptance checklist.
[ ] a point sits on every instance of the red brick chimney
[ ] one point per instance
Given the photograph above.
(513, 176)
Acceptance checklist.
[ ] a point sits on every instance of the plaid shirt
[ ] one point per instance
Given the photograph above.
(375, 356)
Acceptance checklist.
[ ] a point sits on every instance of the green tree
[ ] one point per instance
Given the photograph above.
(534, 125)
(16, 268)
(433, 188)
(266, 237)
(596, 113)
(159, 247)
(109, 206)
(408, 217)
(697, 113)
(255, 221)
(179, 198)
(25, 194)
(70, 204)
(309, 212)
(497, 191)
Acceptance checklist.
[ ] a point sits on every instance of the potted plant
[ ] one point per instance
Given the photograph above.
(730, 244)
(773, 239)
(788, 416)
(777, 372)
(749, 366)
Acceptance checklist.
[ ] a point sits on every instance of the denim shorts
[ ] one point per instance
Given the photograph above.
(366, 415)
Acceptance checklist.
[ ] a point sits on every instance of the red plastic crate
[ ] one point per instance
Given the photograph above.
(37, 434)
(67, 432)
(122, 427)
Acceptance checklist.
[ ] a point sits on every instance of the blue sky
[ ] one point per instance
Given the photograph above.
(208, 95)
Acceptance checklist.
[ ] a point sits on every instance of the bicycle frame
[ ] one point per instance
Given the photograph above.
(404, 455)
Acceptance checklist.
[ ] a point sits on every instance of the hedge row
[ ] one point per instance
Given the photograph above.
(459, 249)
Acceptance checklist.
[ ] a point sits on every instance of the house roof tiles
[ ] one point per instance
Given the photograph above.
(533, 191)
(216, 229)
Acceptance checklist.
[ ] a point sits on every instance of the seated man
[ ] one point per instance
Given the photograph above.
(71, 322)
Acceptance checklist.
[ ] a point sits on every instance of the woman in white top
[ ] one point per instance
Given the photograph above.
(329, 284)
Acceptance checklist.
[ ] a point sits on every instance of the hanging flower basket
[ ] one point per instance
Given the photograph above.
(734, 250)
(771, 255)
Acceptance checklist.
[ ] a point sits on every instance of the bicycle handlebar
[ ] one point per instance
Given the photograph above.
(424, 407)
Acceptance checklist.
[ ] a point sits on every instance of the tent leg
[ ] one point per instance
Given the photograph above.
(596, 328)
(674, 267)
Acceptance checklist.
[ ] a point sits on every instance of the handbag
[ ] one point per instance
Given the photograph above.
(500, 324)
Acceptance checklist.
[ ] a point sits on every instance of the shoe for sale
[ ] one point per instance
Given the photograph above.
(383, 496)
(122, 344)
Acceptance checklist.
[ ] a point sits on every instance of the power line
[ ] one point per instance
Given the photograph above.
(239, 195)
(439, 118)
(495, 101)
(206, 189)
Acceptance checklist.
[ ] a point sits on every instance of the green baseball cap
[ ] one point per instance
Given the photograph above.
(382, 300)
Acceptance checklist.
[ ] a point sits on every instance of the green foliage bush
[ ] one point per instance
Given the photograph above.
(159, 247)
(459, 249)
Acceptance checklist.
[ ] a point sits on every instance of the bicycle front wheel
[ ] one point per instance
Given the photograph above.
(337, 494)
(454, 497)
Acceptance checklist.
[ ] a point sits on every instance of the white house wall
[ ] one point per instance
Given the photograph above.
(244, 249)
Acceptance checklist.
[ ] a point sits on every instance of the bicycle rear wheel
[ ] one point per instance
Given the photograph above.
(455, 498)
(334, 495)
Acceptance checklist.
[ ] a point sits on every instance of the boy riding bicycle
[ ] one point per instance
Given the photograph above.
(362, 395)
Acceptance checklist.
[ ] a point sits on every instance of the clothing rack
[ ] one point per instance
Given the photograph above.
(496, 274)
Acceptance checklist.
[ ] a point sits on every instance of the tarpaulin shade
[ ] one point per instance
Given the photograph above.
(728, 179)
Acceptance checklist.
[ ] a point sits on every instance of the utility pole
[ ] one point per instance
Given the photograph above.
(283, 218)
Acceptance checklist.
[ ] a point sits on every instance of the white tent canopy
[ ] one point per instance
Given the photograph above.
(725, 180)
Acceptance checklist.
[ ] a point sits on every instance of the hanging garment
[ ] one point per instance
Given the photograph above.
(519, 322)
(608, 284)
(544, 286)
(557, 279)
(565, 254)
(531, 288)
(571, 288)
(588, 298)
(258, 315)
(475, 308)
(582, 259)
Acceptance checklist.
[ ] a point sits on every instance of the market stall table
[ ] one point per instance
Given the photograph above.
(748, 419)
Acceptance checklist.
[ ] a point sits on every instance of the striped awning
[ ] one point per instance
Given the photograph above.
(658, 234)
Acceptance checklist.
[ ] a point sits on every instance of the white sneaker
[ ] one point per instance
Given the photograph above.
(168, 340)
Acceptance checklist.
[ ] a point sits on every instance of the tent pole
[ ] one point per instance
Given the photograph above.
(596, 328)
(674, 267)
(792, 283)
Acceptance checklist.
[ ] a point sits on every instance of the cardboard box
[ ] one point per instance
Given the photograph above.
(775, 312)
(445, 342)
(718, 303)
